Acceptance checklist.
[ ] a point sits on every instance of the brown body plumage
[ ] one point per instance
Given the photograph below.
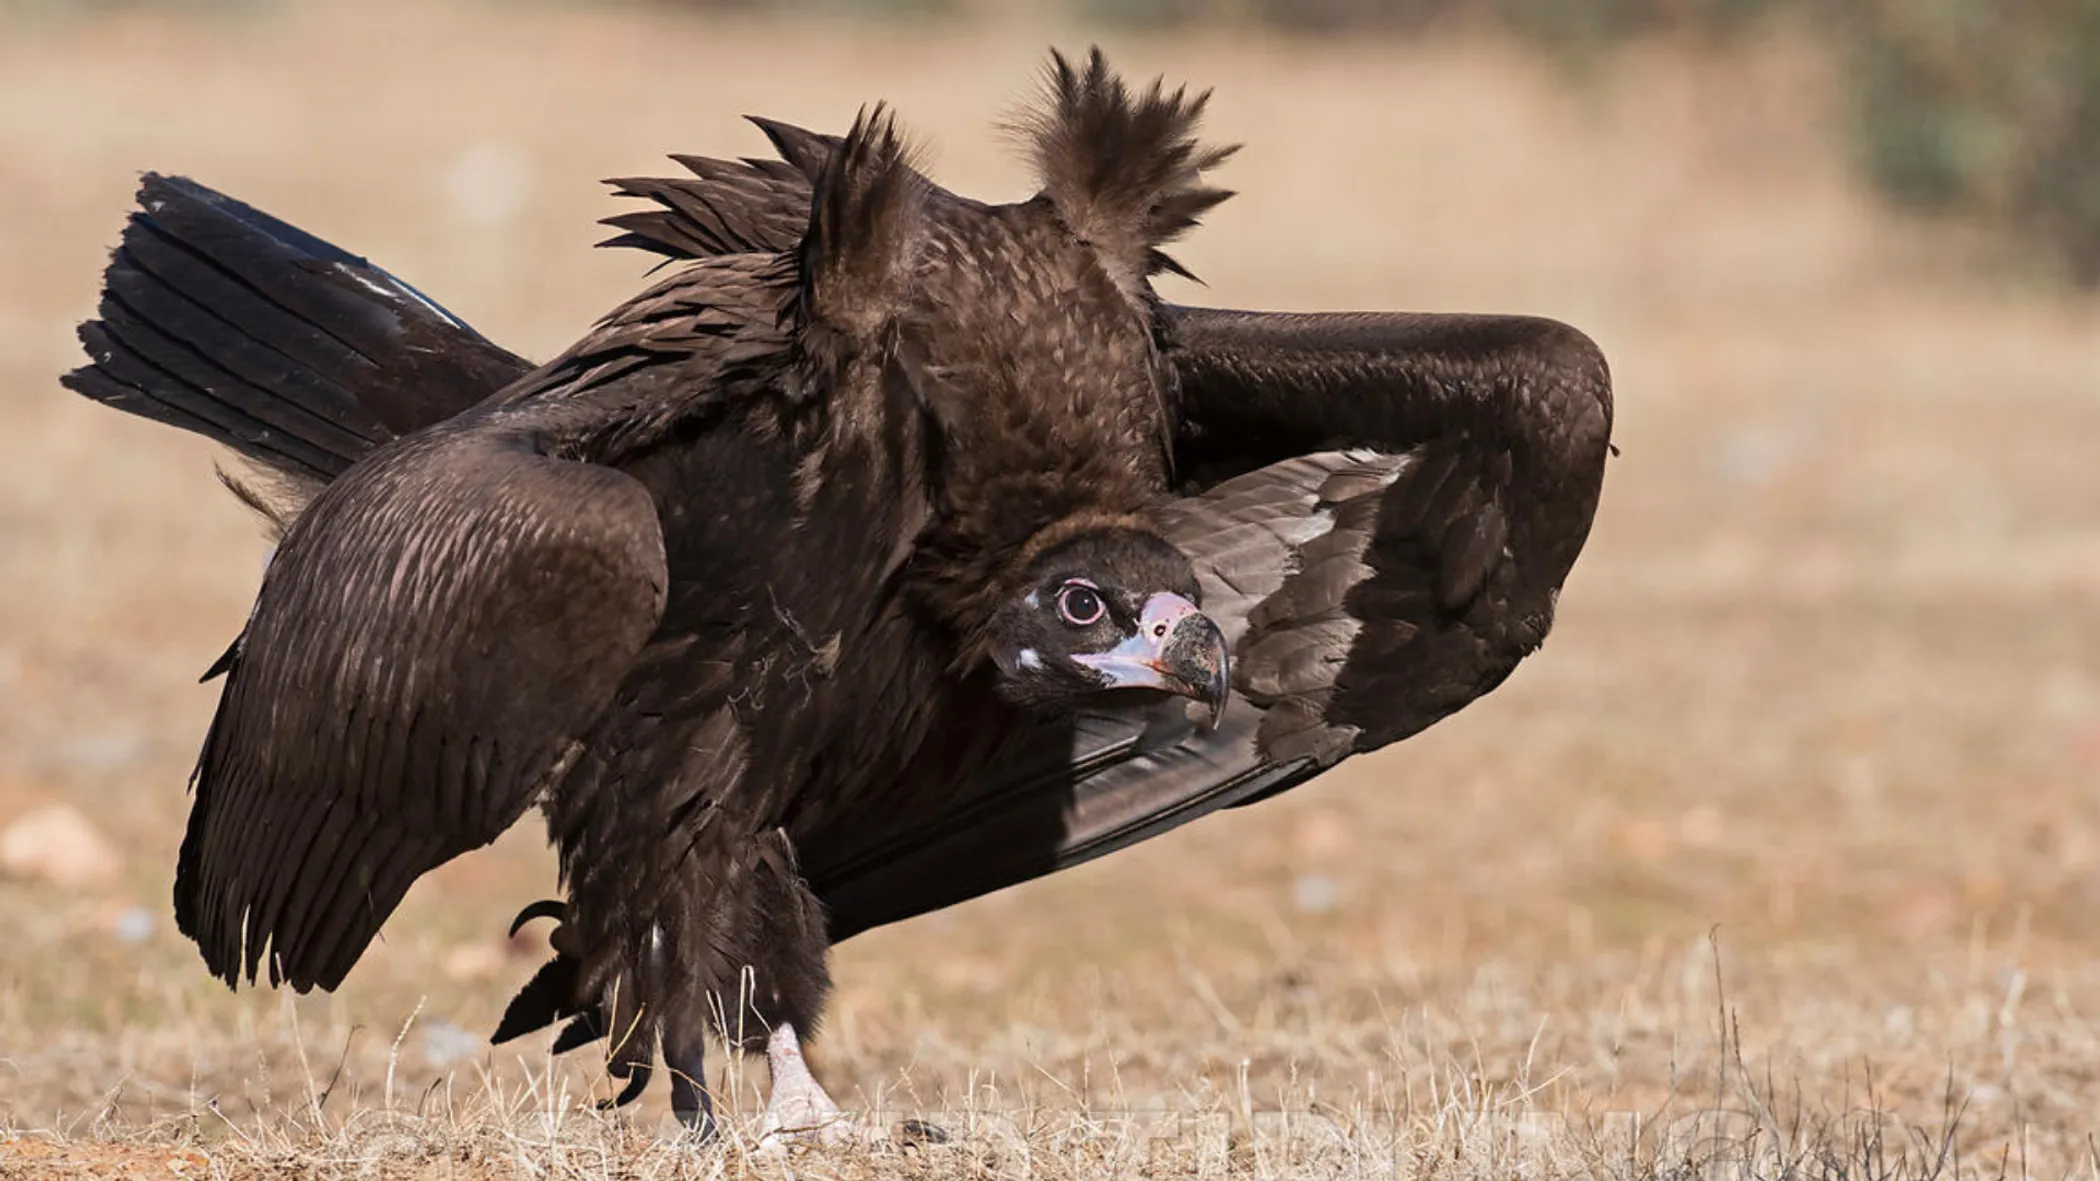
(748, 588)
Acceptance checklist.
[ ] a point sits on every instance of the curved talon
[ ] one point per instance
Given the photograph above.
(586, 1027)
(637, 1082)
(545, 908)
(545, 999)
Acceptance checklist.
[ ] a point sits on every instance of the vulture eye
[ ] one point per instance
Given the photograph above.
(1080, 604)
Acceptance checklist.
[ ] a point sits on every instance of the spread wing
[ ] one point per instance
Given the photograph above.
(1386, 508)
(370, 728)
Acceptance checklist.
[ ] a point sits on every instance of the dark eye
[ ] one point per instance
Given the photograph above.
(1080, 605)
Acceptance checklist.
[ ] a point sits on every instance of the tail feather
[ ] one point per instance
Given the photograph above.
(154, 375)
(120, 377)
(184, 277)
(220, 374)
(222, 320)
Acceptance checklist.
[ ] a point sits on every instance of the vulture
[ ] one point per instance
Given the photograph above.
(891, 549)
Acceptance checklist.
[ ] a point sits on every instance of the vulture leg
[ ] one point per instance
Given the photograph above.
(690, 1100)
(799, 1109)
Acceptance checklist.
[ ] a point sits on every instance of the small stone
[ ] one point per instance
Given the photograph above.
(1315, 893)
(134, 925)
(57, 845)
(445, 1042)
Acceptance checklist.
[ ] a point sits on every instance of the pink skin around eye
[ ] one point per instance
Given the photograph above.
(1080, 618)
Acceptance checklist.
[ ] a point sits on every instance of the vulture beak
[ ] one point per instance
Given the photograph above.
(1177, 648)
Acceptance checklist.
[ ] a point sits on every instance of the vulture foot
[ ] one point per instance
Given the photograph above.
(799, 1111)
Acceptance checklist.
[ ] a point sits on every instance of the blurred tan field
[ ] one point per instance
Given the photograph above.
(1825, 687)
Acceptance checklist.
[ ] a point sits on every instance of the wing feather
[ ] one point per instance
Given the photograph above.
(1062, 795)
(1384, 511)
(368, 730)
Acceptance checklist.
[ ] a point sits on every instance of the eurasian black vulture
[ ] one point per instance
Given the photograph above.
(890, 551)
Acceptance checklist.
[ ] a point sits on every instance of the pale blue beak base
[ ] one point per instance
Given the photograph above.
(1176, 648)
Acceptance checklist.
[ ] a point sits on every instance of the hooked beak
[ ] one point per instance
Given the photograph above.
(1177, 648)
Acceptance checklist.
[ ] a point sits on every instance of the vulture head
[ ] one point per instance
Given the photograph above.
(1112, 608)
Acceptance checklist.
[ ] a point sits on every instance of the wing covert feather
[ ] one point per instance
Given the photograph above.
(1508, 423)
(375, 721)
(1063, 794)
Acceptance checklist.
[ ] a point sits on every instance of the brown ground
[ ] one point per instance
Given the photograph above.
(1827, 681)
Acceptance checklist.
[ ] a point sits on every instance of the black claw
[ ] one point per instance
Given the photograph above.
(637, 1082)
(545, 908)
(545, 999)
(587, 1027)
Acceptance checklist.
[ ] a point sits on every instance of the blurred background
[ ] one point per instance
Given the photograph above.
(1825, 688)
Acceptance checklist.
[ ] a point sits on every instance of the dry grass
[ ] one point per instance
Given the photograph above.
(1828, 680)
